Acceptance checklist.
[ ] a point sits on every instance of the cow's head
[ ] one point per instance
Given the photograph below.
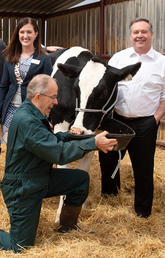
(96, 89)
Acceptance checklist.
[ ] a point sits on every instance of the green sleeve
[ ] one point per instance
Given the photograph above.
(47, 146)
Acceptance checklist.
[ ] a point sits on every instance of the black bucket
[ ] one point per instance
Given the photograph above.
(119, 131)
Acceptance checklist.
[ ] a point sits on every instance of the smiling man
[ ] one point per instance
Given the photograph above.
(141, 36)
(140, 105)
(29, 177)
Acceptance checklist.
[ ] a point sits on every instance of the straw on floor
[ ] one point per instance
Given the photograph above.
(110, 227)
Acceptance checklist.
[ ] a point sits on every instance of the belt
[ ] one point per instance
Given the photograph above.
(130, 118)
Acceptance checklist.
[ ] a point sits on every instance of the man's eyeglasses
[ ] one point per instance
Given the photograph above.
(51, 97)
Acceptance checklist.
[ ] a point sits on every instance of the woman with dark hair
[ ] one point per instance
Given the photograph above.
(24, 58)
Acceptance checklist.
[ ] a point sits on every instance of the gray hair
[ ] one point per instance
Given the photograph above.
(39, 84)
(141, 19)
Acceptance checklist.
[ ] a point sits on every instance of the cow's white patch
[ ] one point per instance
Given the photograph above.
(89, 78)
(61, 127)
(71, 52)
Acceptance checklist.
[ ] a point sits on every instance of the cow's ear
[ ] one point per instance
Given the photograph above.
(130, 70)
(69, 70)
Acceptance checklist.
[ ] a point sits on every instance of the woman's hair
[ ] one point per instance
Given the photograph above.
(14, 49)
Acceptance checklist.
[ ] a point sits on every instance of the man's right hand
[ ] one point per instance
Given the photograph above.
(104, 144)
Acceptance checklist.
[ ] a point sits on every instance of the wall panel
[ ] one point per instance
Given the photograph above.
(78, 28)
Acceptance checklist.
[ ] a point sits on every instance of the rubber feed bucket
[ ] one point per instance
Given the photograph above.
(119, 131)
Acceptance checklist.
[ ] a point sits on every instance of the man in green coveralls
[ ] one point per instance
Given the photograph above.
(32, 149)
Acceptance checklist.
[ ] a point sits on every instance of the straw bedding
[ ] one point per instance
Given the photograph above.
(110, 227)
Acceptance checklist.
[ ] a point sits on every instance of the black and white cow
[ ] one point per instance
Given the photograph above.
(89, 82)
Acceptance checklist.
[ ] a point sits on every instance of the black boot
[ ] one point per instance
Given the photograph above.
(68, 218)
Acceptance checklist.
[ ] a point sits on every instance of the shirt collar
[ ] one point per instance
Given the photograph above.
(150, 53)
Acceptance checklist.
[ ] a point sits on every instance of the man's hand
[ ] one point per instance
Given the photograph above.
(53, 48)
(103, 143)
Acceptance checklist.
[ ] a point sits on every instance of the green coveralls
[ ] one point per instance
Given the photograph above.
(29, 177)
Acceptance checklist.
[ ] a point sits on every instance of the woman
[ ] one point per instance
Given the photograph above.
(25, 58)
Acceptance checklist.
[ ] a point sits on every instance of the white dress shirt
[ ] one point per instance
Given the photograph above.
(142, 95)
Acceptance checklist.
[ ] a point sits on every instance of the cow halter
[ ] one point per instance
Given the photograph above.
(103, 110)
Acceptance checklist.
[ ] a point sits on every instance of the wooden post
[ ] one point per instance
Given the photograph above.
(43, 31)
(102, 27)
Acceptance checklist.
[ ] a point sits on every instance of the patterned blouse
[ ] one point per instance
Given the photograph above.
(24, 64)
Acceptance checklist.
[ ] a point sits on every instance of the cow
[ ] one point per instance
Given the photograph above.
(89, 81)
(87, 92)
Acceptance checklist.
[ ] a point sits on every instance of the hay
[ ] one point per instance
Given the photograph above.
(110, 227)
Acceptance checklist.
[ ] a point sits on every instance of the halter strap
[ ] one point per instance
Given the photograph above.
(98, 110)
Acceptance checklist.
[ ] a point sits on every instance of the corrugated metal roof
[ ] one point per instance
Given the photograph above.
(35, 7)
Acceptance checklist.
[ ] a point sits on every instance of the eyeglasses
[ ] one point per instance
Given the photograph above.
(51, 97)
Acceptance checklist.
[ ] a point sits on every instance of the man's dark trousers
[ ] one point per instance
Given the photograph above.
(141, 150)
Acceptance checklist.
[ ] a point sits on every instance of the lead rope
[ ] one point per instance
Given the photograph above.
(118, 163)
(117, 166)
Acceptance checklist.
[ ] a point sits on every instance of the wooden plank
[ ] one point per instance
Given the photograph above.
(6, 30)
(13, 22)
